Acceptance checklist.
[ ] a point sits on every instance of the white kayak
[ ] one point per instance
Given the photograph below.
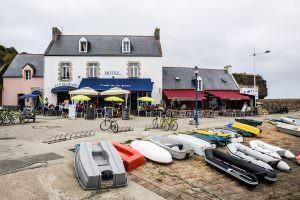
(234, 137)
(270, 149)
(241, 151)
(152, 151)
(274, 162)
(196, 144)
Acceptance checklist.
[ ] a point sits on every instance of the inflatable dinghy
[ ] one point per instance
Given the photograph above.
(291, 121)
(234, 137)
(152, 151)
(241, 151)
(245, 172)
(270, 149)
(196, 144)
(238, 131)
(250, 122)
(177, 149)
(251, 129)
(220, 139)
(99, 166)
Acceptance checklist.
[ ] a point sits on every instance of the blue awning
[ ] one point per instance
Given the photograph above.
(27, 96)
(131, 84)
(62, 89)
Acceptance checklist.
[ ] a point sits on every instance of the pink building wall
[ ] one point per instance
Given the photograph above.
(18, 85)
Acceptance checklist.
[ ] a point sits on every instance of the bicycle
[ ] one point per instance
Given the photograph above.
(173, 125)
(109, 124)
(163, 123)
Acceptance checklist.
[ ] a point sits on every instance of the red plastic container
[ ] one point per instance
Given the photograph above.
(132, 159)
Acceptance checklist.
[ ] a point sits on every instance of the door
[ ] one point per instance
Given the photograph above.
(133, 101)
(21, 103)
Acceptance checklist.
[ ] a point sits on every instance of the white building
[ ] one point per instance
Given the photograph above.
(101, 62)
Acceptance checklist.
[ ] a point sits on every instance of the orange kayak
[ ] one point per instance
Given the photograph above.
(132, 159)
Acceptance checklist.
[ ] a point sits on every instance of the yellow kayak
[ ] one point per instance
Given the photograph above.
(248, 128)
(211, 133)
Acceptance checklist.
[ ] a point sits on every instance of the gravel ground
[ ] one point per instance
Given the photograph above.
(189, 179)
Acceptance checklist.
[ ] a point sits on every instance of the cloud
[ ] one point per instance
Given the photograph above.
(196, 32)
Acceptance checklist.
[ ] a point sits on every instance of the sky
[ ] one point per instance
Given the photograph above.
(204, 33)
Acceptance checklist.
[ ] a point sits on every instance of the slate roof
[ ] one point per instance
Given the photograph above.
(16, 66)
(103, 45)
(212, 78)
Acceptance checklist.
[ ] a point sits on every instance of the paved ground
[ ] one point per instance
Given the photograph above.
(21, 145)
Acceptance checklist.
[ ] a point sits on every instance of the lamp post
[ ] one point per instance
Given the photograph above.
(254, 75)
(196, 103)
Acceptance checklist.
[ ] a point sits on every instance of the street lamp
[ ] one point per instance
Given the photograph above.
(254, 75)
(196, 103)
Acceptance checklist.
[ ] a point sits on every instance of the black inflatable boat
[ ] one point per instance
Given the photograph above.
(247, 173)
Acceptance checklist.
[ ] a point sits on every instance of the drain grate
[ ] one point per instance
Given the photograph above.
(10, 166)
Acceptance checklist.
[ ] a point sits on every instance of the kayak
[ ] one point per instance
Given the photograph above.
(234, 136)
(289, 129)
(132, 159)
(177, 149)
(247, 128)
(271, 150)
(291, 121)
(242, 152)
(196, 144)
(250, 122)
(152, 151)
(245, 172)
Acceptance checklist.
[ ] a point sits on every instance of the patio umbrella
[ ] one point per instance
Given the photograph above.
(146, 99)
(115, 91)
(81, 98)
(84, 91)
(114, 99)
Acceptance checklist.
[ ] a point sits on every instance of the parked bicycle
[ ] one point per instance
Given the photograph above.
(109, 124)
(165, 123)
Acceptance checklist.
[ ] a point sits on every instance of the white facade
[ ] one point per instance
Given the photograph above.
(110, 66)
(249, 91)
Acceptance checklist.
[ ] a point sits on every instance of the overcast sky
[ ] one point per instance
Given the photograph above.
(210, 33)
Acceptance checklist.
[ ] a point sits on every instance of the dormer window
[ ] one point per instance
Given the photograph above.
(83, 45)
(199, 83)
(126, 45)
(27, 74)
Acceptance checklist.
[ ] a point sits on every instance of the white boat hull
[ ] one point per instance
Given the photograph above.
(152, 151)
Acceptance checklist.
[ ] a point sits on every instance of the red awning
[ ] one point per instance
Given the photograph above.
(228, 94)
(183, 95)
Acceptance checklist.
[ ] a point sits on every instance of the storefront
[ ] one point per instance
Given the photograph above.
(62, 91)
(138, 87)
(182, 99)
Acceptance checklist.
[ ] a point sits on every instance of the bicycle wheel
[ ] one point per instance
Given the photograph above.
(174, 126)
(114, 127)
(105, 125)
(155, 123)
(165, 126)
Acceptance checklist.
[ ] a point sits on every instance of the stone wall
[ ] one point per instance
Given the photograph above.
(273, 105)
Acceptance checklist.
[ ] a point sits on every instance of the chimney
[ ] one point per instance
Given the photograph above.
(157, 33)
(55, 33)
(228, 69)
(157, 38)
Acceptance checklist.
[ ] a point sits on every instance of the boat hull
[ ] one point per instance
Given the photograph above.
(250, 122)
(132, 159)
(177, 150)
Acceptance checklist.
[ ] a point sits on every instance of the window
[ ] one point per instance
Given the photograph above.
(126, 45)
(93, 70)
(83, 45)
(133, 70)
(65, 71)
(27, 74)
(199, 83)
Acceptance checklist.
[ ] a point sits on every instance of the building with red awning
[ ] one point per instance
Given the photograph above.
(217, 89)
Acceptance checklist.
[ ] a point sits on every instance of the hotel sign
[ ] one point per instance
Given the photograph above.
(112, 73)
